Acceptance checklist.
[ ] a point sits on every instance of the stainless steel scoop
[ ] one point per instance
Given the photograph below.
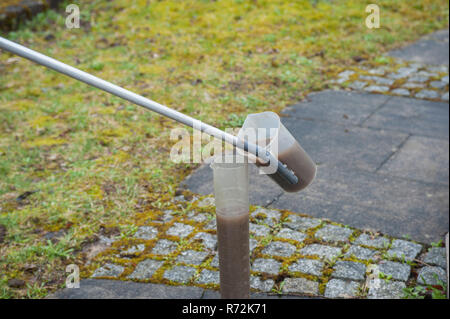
(282, 172)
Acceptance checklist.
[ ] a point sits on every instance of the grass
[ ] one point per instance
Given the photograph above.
(93, 160)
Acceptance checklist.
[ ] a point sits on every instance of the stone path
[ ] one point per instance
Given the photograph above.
(291, 255)
(382, 158)
(382, 174)
(431, 49)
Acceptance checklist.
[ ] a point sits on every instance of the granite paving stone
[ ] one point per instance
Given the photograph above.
(167, 216)
(134, 249)
(296, 222)
(438, 68)
(333, 233)
(164, 247)
(199, 218)
(369, 77)
(108, 270)
(341, 80)
(427, 94)
(349, 270)
(205, 202)
(438, 84)
(192, 257)
(179, 229)
(146, 268)
(307, 266)
(398, 271)
(427, 74)
(208, 277)
(436, 256)
(372, 241)
(267, 216)
(212, 225)
(260, 284)
(266, 265)
(180, 274)
(300, 285)
(357, 85)
(404, 249)
(337, 288)
(396, 75)
(383, 81)
(253, 243)
(208, 240)
(403, 92)
(215, 261)
(322, 251)
(279, 248)
(346, 74)
(411, 85)
(380, 289)
(376, 88)
(431, 275)
(419, 78)
(259, 230)
(288, 233)
(361, 253)
(179, 198)
(378, 71)
(146, 232)
(105, 240)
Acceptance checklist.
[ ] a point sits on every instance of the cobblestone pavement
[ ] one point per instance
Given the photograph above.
(408, 79)
(418, 70)
(291, 254)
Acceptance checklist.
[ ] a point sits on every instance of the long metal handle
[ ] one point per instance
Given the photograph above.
(144, 102)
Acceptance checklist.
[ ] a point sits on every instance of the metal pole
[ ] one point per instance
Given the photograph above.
(144, 102)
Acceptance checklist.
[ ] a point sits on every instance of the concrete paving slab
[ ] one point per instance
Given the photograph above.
(412, 116)
(344, 146)
(432, 49)
(115, 289)
(395, 206)
(337, 107)
(420, 158)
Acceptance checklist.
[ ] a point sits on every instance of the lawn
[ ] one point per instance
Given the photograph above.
(75, 160)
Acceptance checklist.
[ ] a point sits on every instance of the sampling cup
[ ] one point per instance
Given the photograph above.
(232, 214)
(266, 130)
